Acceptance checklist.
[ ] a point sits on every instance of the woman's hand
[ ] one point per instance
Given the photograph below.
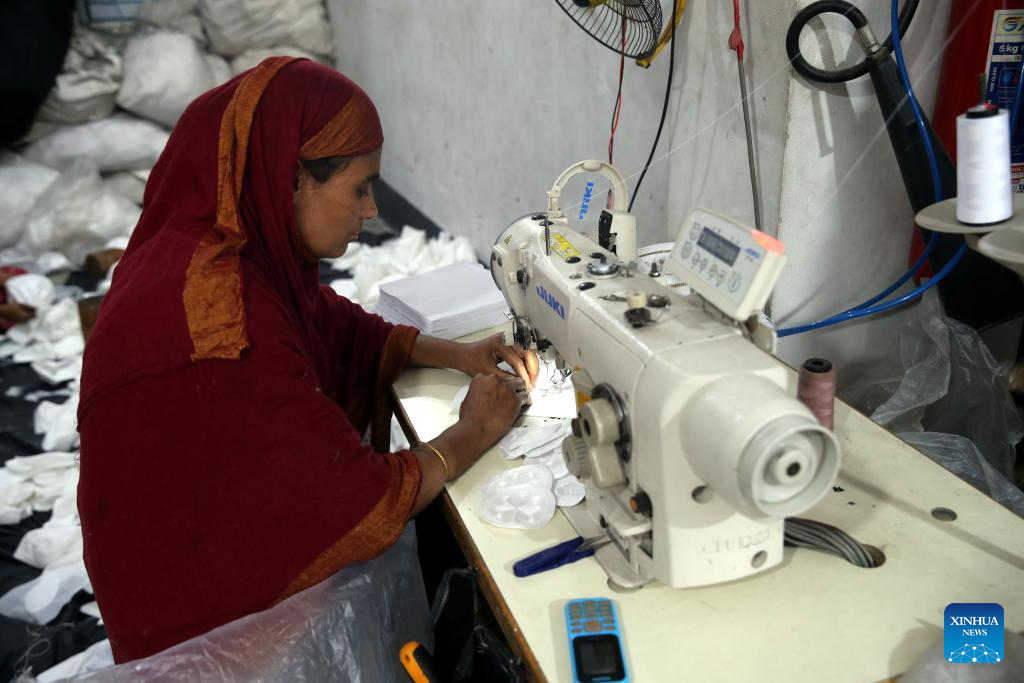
(16, 313)
(482, 357)
(493, 404)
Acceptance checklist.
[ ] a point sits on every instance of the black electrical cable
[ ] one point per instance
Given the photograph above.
(859, 21)
(664, 108)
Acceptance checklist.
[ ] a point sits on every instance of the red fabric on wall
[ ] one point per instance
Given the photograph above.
(212, 487)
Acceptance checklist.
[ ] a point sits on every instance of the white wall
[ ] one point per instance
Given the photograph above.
(485, 103)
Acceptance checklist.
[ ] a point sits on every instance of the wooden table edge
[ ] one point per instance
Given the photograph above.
(506, 620)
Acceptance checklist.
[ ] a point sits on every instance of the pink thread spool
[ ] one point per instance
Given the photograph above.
(817, 389)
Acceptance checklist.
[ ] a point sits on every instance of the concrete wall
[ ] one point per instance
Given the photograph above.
(485, 103)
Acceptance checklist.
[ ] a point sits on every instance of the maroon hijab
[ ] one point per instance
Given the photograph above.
(224, 391)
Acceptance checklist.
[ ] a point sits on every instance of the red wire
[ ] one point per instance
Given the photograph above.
(618, 98)
(736, 37)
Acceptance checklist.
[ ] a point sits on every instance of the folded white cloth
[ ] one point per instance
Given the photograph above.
(59, 423)
(68, 347)
(533, 439)
(23, 333)
(39, 600)
(60, 321)
(552, 459)
(59, 541)
(10, 514)
(30, 289)
(50, 546)
(31, 465)
(60, 370)
(569, 491)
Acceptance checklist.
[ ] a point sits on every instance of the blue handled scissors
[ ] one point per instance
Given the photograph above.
(558, 555)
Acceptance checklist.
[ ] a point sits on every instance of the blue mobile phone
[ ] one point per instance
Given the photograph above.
(595, 641)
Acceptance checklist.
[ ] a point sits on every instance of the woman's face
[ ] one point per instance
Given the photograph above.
(330, 215)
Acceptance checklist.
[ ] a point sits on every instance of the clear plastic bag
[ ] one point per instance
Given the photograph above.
(77, 214)
(949, 397)
(349, 627)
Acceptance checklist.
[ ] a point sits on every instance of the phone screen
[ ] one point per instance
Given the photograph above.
(598, 658)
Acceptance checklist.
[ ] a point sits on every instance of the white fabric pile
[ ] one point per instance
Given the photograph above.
(411, 253)
(526, 497)
(52, 342)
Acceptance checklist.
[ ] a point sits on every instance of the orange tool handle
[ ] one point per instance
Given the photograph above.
(418, 663)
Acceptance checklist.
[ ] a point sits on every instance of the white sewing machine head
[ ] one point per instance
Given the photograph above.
(691, 447)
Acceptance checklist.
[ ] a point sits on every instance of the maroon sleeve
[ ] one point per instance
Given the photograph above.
(355, 341)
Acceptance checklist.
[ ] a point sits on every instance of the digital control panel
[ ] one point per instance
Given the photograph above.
(731, 266)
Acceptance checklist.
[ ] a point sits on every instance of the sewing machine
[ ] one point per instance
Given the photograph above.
(691, 449)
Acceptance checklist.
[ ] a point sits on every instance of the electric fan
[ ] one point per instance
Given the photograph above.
(623, 26)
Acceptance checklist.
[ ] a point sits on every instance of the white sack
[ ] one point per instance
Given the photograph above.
(128, 185)
(163, 72)
(21, 183)
(175, 15)
(119, 143)
(88, 82)
(251, 58)
(220, 70)
(77, 214)
(235, 26)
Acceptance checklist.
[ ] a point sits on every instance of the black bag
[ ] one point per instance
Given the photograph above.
(471, 651)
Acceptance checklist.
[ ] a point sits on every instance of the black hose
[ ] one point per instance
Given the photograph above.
(855, 17)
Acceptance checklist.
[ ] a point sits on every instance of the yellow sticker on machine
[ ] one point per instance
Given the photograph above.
(562, 247)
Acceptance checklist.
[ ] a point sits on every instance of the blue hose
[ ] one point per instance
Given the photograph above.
(865, 309)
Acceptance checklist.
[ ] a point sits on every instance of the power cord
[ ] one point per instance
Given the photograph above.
(664, 108)
(807, 533)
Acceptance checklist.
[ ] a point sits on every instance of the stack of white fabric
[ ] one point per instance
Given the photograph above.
(410, 253)
(448, 302)
(542, 445)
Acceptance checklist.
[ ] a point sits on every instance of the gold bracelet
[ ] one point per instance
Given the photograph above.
(447, 472)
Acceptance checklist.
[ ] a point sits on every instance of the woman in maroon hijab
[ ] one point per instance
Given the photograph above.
(225, 393)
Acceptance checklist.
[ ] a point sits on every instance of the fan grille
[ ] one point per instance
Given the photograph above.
(604, 23)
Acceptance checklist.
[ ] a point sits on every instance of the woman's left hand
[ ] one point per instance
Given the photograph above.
(482, 357)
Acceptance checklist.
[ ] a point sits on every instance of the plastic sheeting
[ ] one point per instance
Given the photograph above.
(235, 26)
(932, 666)
(21, 183)
(77, 214)
(949, 397)
(348, 628)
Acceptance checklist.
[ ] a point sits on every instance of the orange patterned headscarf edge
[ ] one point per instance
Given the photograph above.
(214, 306)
